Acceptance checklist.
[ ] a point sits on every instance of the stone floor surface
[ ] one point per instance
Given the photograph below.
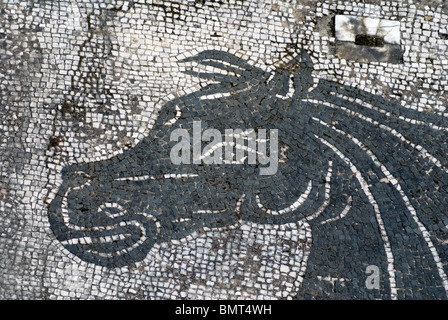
(223, 150)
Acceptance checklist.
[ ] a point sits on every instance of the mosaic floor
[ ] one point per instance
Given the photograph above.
(223, 149)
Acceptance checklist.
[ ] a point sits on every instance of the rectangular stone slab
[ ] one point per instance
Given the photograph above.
(347, 27)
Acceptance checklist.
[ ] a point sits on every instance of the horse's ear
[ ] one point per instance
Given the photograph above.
(221, 66)
(227, 60)
(303, 75)
(306, 64)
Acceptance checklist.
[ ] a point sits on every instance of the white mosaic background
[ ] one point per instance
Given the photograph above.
(147, 43)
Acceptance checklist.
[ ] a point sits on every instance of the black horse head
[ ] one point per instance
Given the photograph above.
(344, 154)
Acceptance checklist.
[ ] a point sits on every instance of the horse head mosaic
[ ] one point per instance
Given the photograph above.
(337, 146)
